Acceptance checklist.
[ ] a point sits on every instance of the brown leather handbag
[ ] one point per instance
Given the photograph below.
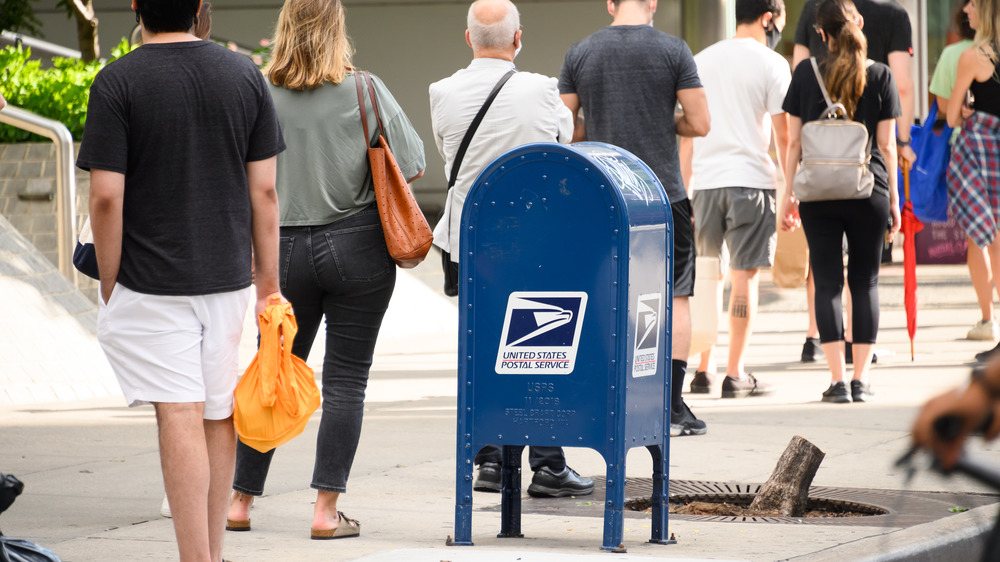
(407, 234)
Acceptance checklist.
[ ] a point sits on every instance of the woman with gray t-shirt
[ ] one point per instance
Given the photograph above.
(333, 258)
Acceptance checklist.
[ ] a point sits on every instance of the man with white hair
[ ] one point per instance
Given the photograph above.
(525, 109)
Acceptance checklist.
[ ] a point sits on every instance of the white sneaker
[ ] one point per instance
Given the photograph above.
(165, 508)
(984, 330)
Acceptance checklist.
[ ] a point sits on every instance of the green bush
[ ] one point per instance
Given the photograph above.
(59, 92)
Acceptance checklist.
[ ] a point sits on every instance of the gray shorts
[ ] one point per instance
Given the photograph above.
(743, 218)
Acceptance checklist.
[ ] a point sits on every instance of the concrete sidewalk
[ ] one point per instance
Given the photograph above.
(93, 486)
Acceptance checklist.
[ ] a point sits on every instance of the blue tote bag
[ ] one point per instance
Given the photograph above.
(928, 189)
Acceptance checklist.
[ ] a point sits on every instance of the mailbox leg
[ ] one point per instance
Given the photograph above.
(510, 493)
(660, 499)
(614, 506)
(463, 505)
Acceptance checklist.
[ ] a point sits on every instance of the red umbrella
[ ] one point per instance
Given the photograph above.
(910, 226)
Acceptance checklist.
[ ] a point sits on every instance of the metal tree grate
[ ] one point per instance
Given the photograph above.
(883, 508)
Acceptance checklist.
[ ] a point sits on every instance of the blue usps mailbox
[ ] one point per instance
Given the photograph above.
(565, 321)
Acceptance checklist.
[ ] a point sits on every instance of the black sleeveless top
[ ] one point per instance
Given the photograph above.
(987, 93)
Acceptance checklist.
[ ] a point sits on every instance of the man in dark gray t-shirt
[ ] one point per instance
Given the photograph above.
(628, 78)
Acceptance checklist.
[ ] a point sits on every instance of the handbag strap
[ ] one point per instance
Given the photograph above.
(467, 139)
(361, 104)
(361, 107)
(830, 106)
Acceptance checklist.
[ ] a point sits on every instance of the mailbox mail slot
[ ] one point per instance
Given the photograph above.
(565, 320)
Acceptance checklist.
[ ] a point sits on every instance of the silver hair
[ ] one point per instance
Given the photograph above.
(498, 35)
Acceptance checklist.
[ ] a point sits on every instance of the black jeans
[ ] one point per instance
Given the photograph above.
(552, 458)
(342, 271)
(864, 222)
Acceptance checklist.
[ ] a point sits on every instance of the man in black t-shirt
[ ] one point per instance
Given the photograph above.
(886, 26)
(627, 79)
(180, 141)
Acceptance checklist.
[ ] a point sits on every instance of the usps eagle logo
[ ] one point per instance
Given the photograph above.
(541, 333)
(647, 335)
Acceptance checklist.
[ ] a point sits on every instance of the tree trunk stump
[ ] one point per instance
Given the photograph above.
(786, 492)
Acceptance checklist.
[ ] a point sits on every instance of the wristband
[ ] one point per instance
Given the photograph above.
(979, 376)
(900, 142)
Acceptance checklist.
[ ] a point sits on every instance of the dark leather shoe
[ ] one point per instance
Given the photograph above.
(548, 484)
(488, 478)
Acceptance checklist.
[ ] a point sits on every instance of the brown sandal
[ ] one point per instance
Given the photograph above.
(233, 525)
(347, 528)
(237, 525)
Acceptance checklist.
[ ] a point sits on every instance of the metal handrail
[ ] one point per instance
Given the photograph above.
(38, 47)
(65, 179)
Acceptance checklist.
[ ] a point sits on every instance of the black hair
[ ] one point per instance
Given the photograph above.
(749, 11)
(166, 16)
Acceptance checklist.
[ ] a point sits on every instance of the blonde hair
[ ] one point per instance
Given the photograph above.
(988, 35)
(846, 72)
(310, 45)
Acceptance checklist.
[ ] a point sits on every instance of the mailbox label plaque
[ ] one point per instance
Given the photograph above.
(647, 335)
(541, 333)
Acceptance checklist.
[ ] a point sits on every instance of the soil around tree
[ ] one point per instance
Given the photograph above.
(730, 507)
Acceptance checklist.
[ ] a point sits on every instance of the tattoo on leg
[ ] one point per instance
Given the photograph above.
(740, 306)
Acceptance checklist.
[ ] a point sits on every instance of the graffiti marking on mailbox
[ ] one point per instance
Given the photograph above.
(626, 178)
(541, 333)
(647, 335)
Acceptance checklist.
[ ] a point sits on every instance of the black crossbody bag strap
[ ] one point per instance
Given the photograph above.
(475, 125)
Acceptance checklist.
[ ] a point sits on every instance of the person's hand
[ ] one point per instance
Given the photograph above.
(790, 219)
(106, 289)
(262, 304)
(907, 156)
(897, 220)
(971, 407)
(967, 111)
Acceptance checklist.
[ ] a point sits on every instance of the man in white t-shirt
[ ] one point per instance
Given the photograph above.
(732, 178)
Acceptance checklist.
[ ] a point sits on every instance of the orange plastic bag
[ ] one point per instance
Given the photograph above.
(277, 394)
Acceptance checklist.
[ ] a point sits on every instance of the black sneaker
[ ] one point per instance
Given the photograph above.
(701, 383)
(985, 356)
(488, 478)
(741, 388)
(548, 484)
(684, 423)
(837, 393)
(860, 392)
(811, 350)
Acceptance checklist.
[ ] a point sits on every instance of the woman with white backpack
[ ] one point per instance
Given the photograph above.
(840, 194)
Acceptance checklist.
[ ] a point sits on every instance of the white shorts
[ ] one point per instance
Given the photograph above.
(174, 348)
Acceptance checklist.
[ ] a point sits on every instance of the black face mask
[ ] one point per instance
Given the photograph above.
(773, 36)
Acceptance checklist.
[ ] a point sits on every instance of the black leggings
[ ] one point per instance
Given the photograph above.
(864, 222)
